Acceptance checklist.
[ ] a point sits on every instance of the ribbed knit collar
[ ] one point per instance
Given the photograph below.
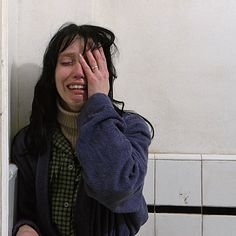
(66, 118)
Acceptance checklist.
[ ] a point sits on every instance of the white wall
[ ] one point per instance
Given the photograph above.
(1, 120)
(183, 181)
(12, 61)
(37, 22)
(176, 64)
(176, 67)
(4, 117)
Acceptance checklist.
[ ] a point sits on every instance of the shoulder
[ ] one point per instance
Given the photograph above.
(19, 138)
(134, 118)
(136, 122)
(20, 156)
(18, 146)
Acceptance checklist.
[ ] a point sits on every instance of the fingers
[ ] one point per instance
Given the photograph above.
(87, 70)
(96, 72)
(95, 63)
(92, 60)
(102, 53)
(97, 60)
(100, 58)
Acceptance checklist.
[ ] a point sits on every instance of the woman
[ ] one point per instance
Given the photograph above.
(81, 160)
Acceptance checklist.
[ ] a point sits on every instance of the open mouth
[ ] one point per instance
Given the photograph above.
(77, 86)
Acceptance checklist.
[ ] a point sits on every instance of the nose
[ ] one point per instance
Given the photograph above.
(77, 71)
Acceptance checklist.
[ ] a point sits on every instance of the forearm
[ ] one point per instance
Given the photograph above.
(113, 153)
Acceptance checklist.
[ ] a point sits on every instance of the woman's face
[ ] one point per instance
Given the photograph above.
(70, 79)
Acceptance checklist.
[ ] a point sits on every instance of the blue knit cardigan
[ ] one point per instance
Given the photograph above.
(113, 153)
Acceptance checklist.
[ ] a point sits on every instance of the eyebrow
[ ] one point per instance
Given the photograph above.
(67, 54)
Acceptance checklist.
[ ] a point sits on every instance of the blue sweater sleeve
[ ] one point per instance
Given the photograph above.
(113, 152)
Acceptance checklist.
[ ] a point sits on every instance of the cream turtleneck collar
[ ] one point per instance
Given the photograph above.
(68, 124)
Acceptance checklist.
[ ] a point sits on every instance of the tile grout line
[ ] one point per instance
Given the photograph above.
(155, 186)
(201, 196)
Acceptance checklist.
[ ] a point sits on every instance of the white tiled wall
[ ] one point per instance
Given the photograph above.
(219, 225)
(219, 183)
(150, 181)
(178, 182)
(190, 180)
(178, 225)
(186, 180)
(149, 227)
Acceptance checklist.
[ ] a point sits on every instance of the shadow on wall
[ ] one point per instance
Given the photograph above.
(23, 80)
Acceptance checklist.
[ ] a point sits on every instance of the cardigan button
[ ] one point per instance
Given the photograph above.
(66, 204)
(70, 167)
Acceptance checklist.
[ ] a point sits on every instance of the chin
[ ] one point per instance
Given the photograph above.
(77, 107)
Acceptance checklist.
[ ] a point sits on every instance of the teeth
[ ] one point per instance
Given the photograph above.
(76, 86)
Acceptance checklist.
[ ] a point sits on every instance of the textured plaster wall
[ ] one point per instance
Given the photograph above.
(38, 21)
(176, 66)
(0, 119)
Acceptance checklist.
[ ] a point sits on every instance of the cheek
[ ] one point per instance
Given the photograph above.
(58, 86)
(60, 75)
(59, 81)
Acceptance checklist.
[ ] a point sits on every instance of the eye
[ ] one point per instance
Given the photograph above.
(66, 63)
(66, 60)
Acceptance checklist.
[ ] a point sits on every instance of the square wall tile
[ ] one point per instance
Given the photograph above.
(178, 182)
(178, 157)
(219, 181)
(148, 189)
(178, 225)
(148, 229)
(218, 157)
(219, 225)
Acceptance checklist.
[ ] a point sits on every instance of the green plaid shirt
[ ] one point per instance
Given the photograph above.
(64, 181)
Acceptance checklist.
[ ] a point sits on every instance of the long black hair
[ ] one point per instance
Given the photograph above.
(44, 109)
